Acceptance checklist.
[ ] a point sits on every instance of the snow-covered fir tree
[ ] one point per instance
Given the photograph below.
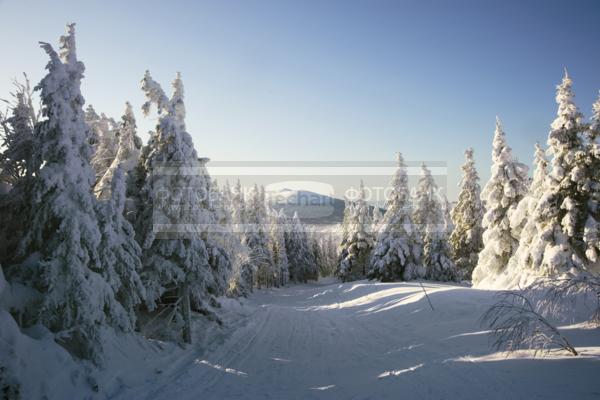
(19, 158)
(428, 218)
(501, 195)
(104, 139)
(329, 240)
(591, 186)
(220, 231)
(356, 249)
(314, 243)
(324, 242)
(564, 238)
(19, 162)
(301, 263)
(523, 226)
(60, 256)
(173, 211)
(396, 256)
(277, 226)
(447, 215)
(376, 219)
(324, 250)
(466, 237)
(345, 226)
(243, 279)
(119, 251)
(128, 152)
(225, 233)
(93, 120)
(219, 202)
(256, 236)
(520, 216)
(238, 206)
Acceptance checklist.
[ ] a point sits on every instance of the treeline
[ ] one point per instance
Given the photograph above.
(514, 231)
(101, 232)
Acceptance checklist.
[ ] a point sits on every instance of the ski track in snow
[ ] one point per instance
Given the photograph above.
(364, 340)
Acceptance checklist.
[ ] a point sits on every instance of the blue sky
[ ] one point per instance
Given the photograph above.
(328, 80)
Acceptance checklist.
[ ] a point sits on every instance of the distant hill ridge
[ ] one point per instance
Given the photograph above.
(312, 208)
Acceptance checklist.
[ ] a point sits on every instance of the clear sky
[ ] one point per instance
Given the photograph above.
(328, 80)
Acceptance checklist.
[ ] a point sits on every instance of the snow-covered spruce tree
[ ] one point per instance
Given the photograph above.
(59, 252)
(505, 189)
(311, 268)
(219, 204)
(523, 225)
(329, 252)
(447, 213)
(277, 226)
(591, 187)
(466, 240)
(395, 252)
(429, 220)
(345, 226)
(127, 156)
(242, 280)
(225, 235)
(356, 249)
(314, 243)
(119, 251)
(19, 163)
(19, 158)
(92, 119)
(220, 259)
(256, 237)
(173, 212)
(238, 206)
(345, 233)
(563, 238)
(520, 216)
(272, 272)
(328, 244)
(104, 138)
(301, 263)
(376, 219)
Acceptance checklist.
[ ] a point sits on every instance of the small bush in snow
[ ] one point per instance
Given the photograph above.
(515, 325)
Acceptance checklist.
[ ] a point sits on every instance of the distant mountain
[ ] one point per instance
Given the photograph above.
(312, 208)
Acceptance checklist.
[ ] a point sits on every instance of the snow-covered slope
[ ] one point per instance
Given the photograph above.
(365, 340)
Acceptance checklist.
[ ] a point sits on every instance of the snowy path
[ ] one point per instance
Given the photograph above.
(364, 340)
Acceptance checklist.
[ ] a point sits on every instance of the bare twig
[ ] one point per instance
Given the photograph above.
(558, 296)
(426, 295)
(515, 324)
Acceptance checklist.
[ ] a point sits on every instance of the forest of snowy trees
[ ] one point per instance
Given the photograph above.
(97, 231)
(98, 234)
(513, 231)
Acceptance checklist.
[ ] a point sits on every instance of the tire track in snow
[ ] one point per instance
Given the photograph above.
(232, 354)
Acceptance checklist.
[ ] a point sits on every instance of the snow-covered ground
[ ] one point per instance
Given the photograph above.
(365, 340)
